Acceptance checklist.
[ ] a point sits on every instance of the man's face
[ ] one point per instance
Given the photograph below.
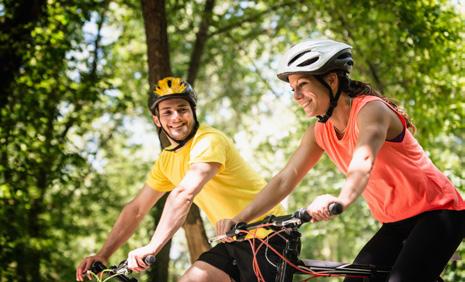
(176, 118)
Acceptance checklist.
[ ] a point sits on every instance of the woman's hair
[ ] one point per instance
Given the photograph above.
(357, 88)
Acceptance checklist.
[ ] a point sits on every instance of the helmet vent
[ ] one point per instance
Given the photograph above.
(296, 57)
(315, 57)
(169, 83)
(344, 55)
(308, 62)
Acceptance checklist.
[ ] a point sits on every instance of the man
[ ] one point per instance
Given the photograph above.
(197, 164)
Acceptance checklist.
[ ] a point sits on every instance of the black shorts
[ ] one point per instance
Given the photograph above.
(236, 258)
(417, 248)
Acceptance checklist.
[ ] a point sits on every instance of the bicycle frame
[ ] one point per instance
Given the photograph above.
(326, 268)
(292, 264)
(291, 252)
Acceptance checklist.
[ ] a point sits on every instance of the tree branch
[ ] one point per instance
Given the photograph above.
(256, 68)
(201, 39)
(371, 66)
(253, 18)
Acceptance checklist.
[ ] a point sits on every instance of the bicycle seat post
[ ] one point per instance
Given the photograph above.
(291, 253)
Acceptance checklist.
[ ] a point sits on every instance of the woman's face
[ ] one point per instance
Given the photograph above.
(310, 94)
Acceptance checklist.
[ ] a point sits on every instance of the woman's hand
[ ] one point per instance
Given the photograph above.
(319, 208)
(223, 226)
(136, 258)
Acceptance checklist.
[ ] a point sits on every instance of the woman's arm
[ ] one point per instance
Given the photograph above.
(375, 121)
(304, 158)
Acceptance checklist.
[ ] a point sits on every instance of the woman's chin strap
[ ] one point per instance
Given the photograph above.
(332, 99)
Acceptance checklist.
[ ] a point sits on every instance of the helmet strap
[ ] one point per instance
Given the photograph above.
(183, 142)
(332, 99)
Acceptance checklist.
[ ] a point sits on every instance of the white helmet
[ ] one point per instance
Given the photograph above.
(316, 57)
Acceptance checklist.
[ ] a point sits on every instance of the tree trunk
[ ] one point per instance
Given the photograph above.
(158, 54)
(159, 66)
(159, 271)
(158, 61)
(195, 234)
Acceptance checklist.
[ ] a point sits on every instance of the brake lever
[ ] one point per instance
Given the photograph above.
(122, 267)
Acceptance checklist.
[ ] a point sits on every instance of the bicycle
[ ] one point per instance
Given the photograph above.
(290, 263)
(119, 272)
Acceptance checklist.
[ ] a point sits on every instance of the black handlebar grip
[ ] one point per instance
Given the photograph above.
(335, 208)
(149, 260)
(303, 215)
(97, 267)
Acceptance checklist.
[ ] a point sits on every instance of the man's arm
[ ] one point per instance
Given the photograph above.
(175, 212)
(124, 227)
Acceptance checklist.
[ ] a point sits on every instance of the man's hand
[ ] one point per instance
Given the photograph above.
(136, 258)
(86, 263)
(223, 226)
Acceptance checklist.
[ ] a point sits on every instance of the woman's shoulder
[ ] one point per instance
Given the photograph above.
(362, 100)
(368, 104)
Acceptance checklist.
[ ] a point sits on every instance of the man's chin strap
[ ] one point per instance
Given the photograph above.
(332, 99)
(183, 142)
(164, 138)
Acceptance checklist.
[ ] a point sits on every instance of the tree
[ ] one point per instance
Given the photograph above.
(69, 91)
(159, 66)
(50, 96)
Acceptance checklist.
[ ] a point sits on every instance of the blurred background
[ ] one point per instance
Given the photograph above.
(77, 139)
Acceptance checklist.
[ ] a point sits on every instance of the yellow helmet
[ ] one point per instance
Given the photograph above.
(169, 88)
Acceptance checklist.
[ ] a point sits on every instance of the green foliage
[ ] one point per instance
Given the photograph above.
(71, 155)
(61, 110)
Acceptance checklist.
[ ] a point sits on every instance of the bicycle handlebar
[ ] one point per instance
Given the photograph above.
(121, 270)
(276, 222)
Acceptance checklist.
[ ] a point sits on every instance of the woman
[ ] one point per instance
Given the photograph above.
(366, 136)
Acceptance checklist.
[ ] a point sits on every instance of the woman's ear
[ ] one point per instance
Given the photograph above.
(156, 120)
(333, 81)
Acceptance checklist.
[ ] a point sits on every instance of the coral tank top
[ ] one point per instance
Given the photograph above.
(403, 181)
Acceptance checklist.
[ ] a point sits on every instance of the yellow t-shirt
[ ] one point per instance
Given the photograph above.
(234, 186)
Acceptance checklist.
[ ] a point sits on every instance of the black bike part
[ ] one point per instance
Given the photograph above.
(303, 215)
(291, 252)
(149, 260)
(122, 268)
(97, 267)
(334, 209)
(338, 268)
(275, 222)
(235, 230)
